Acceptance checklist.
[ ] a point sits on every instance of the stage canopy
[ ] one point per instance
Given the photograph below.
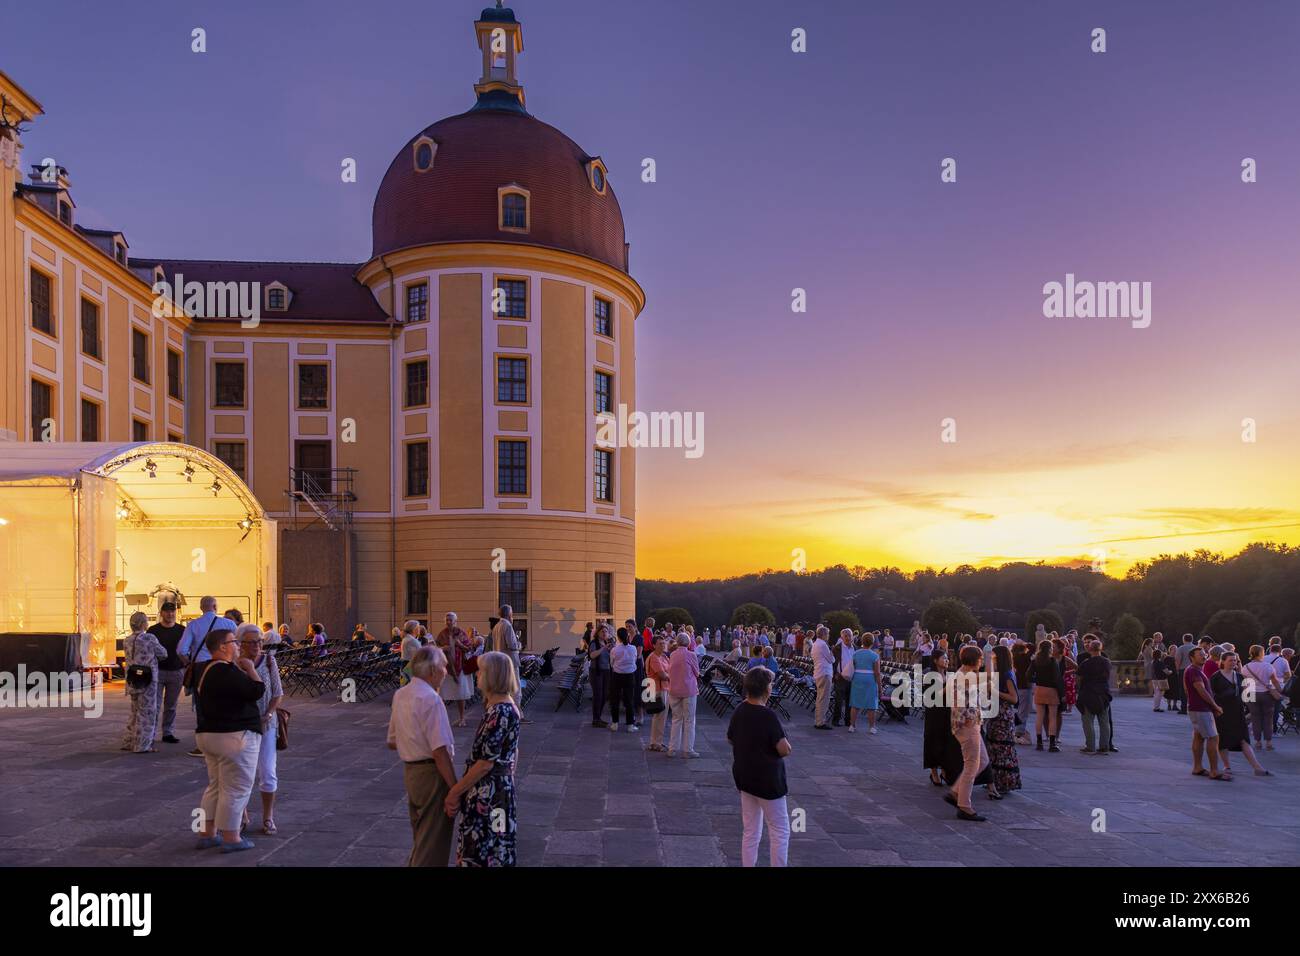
(92, 531)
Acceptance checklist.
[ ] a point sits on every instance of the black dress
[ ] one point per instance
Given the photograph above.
(1231, 724)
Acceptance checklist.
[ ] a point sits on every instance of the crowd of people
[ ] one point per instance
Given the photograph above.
(1016, 693)
(228, 670)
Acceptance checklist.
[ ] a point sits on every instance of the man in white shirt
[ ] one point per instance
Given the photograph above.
(789, 643)
(823, 673)
(421, 734)
(506, 641)
(192, 647)
(887, 645)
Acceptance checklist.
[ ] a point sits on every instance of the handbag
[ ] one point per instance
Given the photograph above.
(656, 706)
(139, 676)
(282, 728)
(469, 665)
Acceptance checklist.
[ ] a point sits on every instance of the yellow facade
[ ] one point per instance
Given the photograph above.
(411, 408)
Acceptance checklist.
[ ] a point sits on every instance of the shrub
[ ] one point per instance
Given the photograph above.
(949, 615)
(1125, 639)
(838, 620)
(752, 614)
(1239, 628)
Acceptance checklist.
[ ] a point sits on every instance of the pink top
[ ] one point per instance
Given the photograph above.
(684, 673)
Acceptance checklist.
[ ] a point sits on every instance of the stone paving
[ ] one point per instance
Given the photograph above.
(588, 797)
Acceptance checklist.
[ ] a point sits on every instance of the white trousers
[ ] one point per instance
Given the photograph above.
(753, 810)
(267, 781)
(232, 762)
(681, 737)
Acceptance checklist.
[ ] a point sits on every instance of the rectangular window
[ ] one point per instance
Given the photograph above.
(512, 589)
(89, 421)
(234, 454)
(313, 461)
(512, 467)
(42, 402)
(139, 430)
(90, 328)
(313, 386)
(174, 374)
(604, 326)
(140, 356)
(511, 301)
(42, 316)
(604, 391)
(604, 593)
(417, 469)
(417, 302)
(604, 471)
(417, 383)
(229, 392)
(417, 594)
(175, 439)
(512, 380)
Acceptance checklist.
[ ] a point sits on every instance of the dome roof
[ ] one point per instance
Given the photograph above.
(491, 146)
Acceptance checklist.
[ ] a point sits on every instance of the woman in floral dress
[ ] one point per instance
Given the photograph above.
(485, 795)
(1000, 731)
(145, 649)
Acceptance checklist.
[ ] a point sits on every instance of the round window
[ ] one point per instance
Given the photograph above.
(598, 178)
(423, 156)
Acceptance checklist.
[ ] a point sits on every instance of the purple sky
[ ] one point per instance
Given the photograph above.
(820, 170)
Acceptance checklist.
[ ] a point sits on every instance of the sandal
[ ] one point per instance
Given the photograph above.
(1200, 773)
(1221, 776)
(268, 827)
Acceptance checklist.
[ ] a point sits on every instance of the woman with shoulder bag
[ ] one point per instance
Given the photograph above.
(1268, 691)
(229, 733)
(143, 652)
(656, 668)
(268, 706)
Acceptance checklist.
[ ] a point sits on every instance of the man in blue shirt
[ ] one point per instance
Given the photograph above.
(193, 643)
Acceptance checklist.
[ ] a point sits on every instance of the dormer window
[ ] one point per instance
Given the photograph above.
(65, 212)
(159, 275)
(277, 297)
(424, 151)
(512, 203)
(597, 175)
(119, 252)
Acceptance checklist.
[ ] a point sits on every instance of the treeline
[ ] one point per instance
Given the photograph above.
(1173, 593)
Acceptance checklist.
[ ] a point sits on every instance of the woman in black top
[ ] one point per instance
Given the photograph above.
(229, 733)
(759, 748)
(1049, 694)
(1225, 685)
(937, 727)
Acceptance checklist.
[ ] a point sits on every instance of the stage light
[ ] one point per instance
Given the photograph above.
(151, 466)
(215, 487)
(188, 472)
(246, 523)
(123, 512)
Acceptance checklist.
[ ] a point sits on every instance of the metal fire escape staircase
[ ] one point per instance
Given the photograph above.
(321, 495)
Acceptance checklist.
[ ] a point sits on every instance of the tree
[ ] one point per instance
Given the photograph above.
(949, 615)
(1239, 628)
(752, 614)
(838, 620)
(1125, 639)
(1050, 620)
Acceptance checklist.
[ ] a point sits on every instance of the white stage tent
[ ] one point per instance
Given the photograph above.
(92, 531)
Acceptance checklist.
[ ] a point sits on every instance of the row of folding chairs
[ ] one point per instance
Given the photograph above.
(573, 681)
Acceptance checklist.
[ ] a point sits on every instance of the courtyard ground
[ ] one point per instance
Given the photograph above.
(589, 797)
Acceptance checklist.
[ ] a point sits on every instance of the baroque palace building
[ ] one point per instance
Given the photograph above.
(422, 425)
